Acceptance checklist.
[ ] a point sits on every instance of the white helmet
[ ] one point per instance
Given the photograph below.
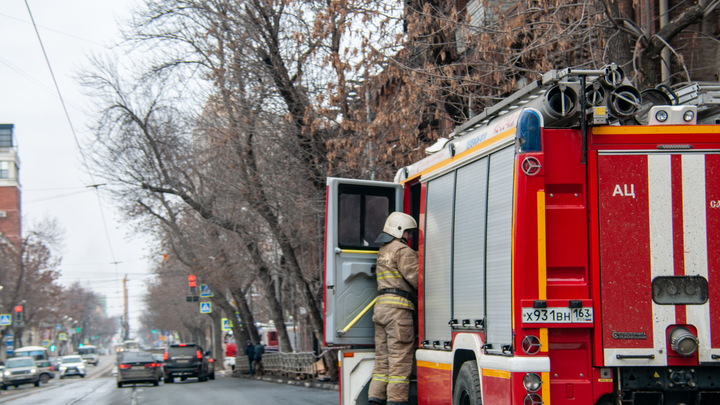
(397, 223)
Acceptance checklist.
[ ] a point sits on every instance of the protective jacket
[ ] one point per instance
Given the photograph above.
(397, 268)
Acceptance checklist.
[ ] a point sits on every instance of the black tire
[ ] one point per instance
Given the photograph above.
(119, 384)
(62, 376)
(16, 386)
(467, 385)
(82, 375)
(44, 378)
(156, 382)
(183, 378)
(37, 383)
(212, 375)
(4, 387)
(169, 380)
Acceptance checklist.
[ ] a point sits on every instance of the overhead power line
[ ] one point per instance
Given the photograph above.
(72, 129)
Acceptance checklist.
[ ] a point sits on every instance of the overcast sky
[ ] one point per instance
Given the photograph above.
(52, 174)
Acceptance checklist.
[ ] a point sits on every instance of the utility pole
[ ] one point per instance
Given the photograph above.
(125, 305)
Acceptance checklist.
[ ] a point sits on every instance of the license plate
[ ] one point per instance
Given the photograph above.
(557, 315)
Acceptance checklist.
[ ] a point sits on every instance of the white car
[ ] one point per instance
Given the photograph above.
(72, 365)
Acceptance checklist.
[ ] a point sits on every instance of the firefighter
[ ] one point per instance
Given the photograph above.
(397, 277)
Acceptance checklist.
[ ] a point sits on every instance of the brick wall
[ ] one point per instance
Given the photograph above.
(10, 225)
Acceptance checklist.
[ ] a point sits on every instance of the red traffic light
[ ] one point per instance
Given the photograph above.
(18, 308)
(191, 279)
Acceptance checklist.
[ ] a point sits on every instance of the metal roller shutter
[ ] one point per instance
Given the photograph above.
(469, 250)
(499, 249)
(437, 269)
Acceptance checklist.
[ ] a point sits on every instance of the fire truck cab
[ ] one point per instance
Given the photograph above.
(568, 248)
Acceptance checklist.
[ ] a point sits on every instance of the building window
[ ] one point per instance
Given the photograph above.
(4, 170)
(5, 138)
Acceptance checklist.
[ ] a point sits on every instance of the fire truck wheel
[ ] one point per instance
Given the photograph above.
(467, 385)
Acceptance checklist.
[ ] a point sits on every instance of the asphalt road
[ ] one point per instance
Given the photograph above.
(99, 388)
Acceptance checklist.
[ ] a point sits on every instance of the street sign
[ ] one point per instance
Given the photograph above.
(5, 319)
(205, 307)
(46, 343)
(226, 324)
(58, 327)
(62, 336)
(205, 291)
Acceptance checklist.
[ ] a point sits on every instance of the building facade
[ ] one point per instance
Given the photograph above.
(10, 195)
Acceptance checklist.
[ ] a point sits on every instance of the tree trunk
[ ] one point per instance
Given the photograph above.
(331, 364)
(239, 332)
(620, 47)
(650, 56)
(276, 313)
(246, 316)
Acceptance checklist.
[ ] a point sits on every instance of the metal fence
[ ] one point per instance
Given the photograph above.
(294, 365)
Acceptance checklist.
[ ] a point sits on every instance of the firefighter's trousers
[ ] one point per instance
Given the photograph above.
(394, 349)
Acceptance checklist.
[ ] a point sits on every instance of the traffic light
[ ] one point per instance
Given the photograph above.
(18, 314)
(153, 330)
(78, 329)
(52, 348)
(193, 284)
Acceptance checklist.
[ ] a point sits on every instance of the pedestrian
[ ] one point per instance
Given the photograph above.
(397, 278)
(250, 353)
(259, 350)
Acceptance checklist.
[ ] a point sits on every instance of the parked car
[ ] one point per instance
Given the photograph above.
(20, 370)
(89, 354)
(41, 356)
(186, 360)
(211, 367)
(159, 360)
(55, 363)
(138, 367)
(72, 365)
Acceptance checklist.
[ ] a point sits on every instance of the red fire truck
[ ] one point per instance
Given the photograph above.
(569, 250)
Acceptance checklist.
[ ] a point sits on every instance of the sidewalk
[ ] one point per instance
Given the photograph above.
(284, 380)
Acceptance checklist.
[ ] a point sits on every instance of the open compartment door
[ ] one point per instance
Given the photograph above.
(356, 213)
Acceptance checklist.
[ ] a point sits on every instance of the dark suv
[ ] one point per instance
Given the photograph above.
(185, 360)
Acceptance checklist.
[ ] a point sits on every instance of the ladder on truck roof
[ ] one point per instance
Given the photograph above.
(604, 87)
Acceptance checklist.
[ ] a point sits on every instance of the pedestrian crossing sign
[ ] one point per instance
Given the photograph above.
(226, 324)
(205, 291)
(205, 308)
(62, 336)
(5, 319)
